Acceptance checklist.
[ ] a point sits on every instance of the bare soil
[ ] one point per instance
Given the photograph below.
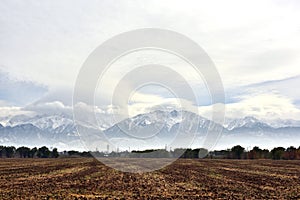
(87, 178)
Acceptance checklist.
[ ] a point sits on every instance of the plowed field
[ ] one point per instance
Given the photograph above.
(86, 178)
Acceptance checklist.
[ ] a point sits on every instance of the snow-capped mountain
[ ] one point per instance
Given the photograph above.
(60, 131)
(247, 122)
(158, 128)
(43, 122)
(38, 130)
(164, 122)
(279, 123)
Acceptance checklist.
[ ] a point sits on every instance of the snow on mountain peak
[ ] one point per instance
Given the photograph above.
(247, 122)
(42, 121)
(44, 129)
(158, 116)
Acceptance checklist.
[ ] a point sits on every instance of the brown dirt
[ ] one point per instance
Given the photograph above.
(86, 178)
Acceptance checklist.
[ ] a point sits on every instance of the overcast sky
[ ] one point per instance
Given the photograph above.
(255, 46)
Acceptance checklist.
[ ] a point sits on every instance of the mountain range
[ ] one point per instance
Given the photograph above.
(157, 127)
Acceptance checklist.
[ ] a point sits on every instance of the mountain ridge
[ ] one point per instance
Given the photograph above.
(60, 129)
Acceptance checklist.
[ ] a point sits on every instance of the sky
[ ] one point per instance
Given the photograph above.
(255, 46)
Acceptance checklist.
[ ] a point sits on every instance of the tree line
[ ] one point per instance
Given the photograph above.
(236, 152)
(277, 153)
(26, 152)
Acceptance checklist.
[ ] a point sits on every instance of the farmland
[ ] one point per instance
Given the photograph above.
(86, 178)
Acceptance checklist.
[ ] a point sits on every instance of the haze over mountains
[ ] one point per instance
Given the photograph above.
(59, 130)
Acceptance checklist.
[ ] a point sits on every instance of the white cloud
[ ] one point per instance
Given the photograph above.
(250, 42)
(55, 107)
(51, 44)
(266, 106)
(9, 111)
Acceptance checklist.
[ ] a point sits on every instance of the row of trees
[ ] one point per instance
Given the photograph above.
(277, 153)
(236, 152)
(176, 153)
(25, 152)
